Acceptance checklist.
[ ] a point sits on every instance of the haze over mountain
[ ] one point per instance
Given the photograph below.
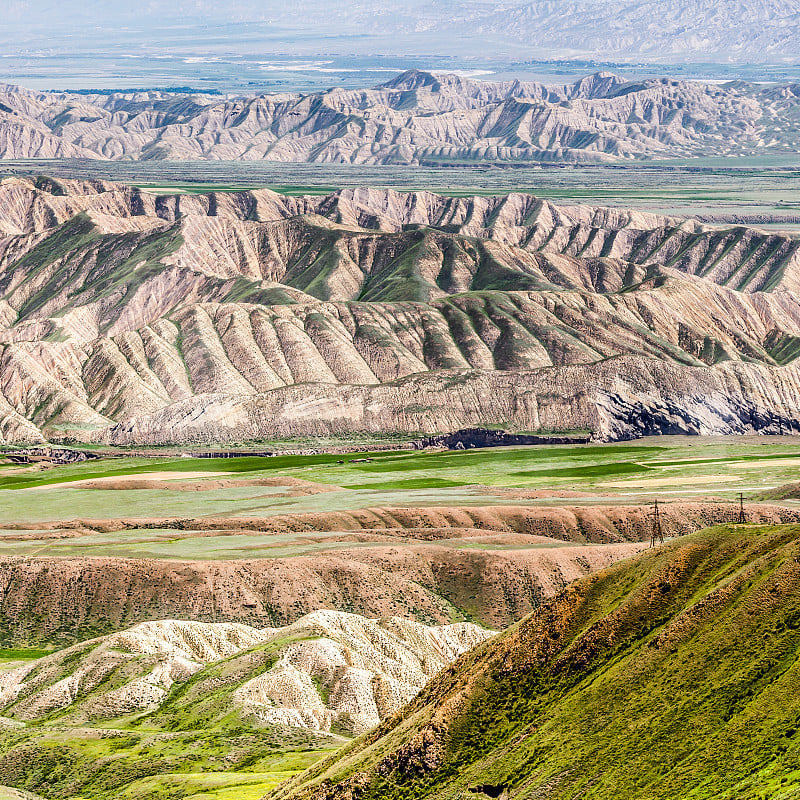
(417, 117)
(699, 31)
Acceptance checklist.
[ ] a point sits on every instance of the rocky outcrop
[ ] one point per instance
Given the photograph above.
(414, 118)
(615, 399)
(365, 670)
(328, 670)
(481, 437)
(48, 455)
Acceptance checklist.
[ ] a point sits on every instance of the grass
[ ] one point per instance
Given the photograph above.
(205, 785)
(101, 764)
(752, 186)
(679, 465)
(198, 743)
(668, 677)
(24, 654)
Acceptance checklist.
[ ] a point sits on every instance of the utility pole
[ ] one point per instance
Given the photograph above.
(741, 519)
(656, 533)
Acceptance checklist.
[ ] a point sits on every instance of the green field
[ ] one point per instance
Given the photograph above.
(149, 765)
(669, 467)
(223, 490)
(728, 188)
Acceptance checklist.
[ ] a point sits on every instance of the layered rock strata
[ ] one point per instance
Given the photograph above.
(415, 118)
(327, 670)
(520, 556)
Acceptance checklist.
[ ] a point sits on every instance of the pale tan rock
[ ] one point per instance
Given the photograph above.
(414, 117)
(366, 668)
(137, 327)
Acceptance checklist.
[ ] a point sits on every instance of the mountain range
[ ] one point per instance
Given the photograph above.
(130, 317)
(726, 31)
(415, 118)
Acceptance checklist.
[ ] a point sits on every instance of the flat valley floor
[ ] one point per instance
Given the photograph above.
(444, 536)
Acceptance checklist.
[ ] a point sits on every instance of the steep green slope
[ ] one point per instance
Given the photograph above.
(673, 675)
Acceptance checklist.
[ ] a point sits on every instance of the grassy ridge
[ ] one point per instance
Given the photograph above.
(198, 744)
(671, 676)
(97, 763)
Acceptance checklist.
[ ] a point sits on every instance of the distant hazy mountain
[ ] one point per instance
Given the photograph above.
(415, 118)
(751, 31)
(700, 31)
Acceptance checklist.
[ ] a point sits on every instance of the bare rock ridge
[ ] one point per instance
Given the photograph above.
(327, 671)
(128, 317)
(414, 118)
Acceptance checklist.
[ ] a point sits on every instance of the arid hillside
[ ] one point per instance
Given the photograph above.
(328, 670)
(416, 118)
(128, 317)
(492, 565)
(124, 715)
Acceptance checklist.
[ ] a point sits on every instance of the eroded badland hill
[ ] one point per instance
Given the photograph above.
(134, 318)
(415, 118)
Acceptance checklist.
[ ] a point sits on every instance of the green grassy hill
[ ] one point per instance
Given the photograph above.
(673, 675)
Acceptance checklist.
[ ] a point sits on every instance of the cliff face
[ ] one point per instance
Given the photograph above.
(129, 317)
(414, 118)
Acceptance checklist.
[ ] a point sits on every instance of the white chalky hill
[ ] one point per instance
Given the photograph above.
(327, 671)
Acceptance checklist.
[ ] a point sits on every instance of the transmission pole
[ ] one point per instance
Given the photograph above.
(741, 519)
(656, 533)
